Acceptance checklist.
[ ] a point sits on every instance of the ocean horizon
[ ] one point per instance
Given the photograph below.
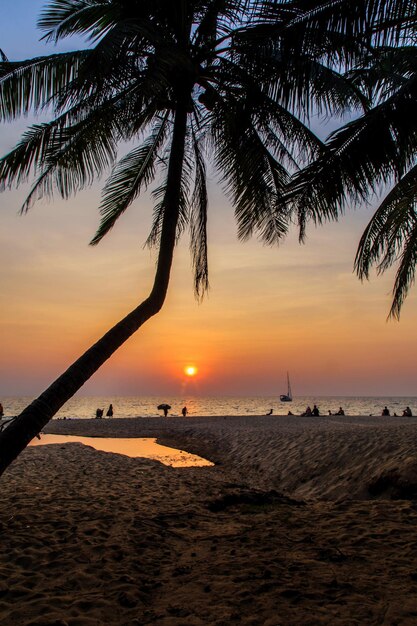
(84, 407)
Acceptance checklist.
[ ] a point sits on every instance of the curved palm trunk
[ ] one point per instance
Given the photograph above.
(29, 423)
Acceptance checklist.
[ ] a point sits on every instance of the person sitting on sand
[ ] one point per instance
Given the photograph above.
(340, 411)
(289, 413)
(110, 411)
(184, 411)
(315, 411)
(307, 412)
(407, 412)
(270, 412)
(99, 413)
(385, 412)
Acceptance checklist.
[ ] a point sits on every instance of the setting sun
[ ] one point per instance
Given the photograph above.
(190, 370)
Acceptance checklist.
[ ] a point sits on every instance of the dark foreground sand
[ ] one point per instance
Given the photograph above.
(303, 521)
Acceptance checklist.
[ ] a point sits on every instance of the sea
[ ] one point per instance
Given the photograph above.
(83, 407)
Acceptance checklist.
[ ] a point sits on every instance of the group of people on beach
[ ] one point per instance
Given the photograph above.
(311, 412)
(315, 412)
(406, 413)
(110, 411)
(100, 412)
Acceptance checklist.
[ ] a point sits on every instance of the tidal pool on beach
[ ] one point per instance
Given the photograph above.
(134, 447)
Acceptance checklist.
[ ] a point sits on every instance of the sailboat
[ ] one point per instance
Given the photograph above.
(287, 397)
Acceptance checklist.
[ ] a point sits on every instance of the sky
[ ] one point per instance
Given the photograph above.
(296, 308)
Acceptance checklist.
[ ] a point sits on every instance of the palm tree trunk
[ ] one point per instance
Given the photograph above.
(34, 417)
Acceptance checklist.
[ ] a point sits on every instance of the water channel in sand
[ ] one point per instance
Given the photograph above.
(135, 447)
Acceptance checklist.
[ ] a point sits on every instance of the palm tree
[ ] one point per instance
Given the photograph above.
(376, 153)
(177, 80)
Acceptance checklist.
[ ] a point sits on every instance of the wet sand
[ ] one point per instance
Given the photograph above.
(302, 521)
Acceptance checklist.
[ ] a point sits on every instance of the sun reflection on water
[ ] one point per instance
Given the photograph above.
(134, 447)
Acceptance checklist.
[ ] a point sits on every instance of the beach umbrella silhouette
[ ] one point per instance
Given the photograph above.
(161, 407)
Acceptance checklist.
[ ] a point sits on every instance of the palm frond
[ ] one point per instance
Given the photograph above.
(198, 225)
(303, 79)
(391, 237)
(61, 18)
(386, 21)
(295, 138)
(19, 163)
(65, 157)
(405, 276)
(360, 157)
(161, 200)
(253, 178)
(33, 85)
(385, 71)
(160, 207)
(131, 174)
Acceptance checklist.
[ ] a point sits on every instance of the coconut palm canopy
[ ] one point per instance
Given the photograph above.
(180, 82)
(242, 91)
(375, 154)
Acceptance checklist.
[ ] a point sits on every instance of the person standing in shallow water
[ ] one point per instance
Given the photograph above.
(110, 411)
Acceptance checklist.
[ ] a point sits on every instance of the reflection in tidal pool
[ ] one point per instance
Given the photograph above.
(145, 448)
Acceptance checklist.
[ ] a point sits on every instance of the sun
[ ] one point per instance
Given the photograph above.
(190, 370)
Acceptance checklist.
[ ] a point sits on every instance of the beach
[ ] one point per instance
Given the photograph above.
(300, 521)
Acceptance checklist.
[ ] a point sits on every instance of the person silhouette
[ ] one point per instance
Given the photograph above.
(110, 411)
(385, 411)
(1, 410)
(270, 412)
(184, 411)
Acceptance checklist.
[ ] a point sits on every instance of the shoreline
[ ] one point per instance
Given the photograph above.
(330, 457)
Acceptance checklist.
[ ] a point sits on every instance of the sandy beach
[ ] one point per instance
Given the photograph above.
(300, 521)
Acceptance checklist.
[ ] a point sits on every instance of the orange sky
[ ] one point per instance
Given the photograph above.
(269, 310)
(296, 307)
